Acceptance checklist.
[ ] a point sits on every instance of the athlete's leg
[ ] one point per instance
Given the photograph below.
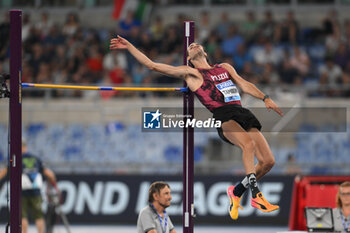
(263, 153)
(238, 136)
(266, 161)
(264, 156)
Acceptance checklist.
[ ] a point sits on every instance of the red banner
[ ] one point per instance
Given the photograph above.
(118, 7)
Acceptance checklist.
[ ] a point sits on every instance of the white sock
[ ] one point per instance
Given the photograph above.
(245, 182)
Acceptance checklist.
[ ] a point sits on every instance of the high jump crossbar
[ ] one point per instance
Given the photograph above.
(15, 123)
(77, 87)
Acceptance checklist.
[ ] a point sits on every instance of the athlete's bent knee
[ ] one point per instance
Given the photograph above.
(268, 164)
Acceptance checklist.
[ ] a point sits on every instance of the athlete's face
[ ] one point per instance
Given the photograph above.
(345, 195)
(163, 197)
(195, 50)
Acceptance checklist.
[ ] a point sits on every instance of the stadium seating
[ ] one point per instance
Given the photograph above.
(119, 143)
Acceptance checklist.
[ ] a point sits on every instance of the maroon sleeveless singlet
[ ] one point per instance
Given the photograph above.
(217, 89)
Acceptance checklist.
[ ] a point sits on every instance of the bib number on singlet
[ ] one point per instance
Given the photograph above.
(229, 90)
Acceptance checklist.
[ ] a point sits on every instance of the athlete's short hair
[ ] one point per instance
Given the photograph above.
(155, 188)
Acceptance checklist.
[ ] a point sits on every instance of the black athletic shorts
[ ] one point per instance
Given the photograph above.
(242, 116)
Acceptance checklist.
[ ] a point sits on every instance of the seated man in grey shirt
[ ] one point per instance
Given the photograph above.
(153, 218)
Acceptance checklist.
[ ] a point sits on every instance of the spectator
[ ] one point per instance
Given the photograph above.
(71, 25)
(112, 59)
(171, 41)
(269, 75)
(44, 74)
(179, 24)
(249, 74)
(212, 43)
(268, 54)
(54, 38)
(94, 60)
(250, 27)
(267, 27)
(289, 74)
(59, 60)
(203, 27)
(330, 22)
(34, 37)
(287, 31)
(342, 55)
(127, 24)
(4, 35)
(139, 75)
(292, 168)
(26, 27)
(330, 73)
(333, 40)
(44, 25)
(218, 55)
(27, 73)
(346, 80)
(37, 58)
(241, 57)
(300, 61)
(78, 57)
(341, 214)
(231, 42)
(346, 32)
(146, 43)
(224, 25)
(116, 75)
(157, 30)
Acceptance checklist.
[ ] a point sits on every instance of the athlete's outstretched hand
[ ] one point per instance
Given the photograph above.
(119, 43)
(270, 104)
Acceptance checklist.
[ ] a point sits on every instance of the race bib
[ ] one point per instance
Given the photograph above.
(229, 90)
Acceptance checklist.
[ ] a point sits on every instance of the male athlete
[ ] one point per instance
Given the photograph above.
(215, 87)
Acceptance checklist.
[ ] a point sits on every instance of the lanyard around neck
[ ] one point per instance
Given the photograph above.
(347, 225)
(161, 220)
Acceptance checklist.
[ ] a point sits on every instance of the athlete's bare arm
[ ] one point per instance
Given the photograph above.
(251, 89)
(175, 71)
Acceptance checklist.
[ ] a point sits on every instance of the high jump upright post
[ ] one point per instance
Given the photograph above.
(15, 165)
(188, 141)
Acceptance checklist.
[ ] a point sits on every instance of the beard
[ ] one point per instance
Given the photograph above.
(164, 205)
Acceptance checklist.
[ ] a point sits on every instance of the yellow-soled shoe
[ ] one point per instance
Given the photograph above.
(234, 203)
(262, 204)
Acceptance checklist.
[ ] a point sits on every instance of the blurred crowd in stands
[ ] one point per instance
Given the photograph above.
(263, 51)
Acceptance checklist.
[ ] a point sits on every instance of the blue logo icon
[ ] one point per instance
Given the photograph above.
(151, 120)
